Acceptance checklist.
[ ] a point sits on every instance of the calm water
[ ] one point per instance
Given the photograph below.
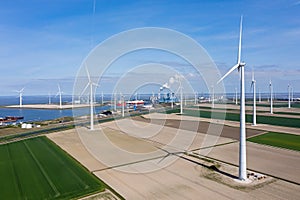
(45, 114)
(40, 114)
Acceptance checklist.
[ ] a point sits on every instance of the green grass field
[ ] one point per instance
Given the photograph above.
(38, 169)
(272, 120)
(283, 140)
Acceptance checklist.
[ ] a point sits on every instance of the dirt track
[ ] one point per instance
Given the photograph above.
(203, 127)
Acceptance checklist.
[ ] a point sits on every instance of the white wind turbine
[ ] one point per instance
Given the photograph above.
(271, 97)
(253, 85)
(49, 98)
(242, 148)
(181, 98)
(213, 97)
(236, 97)
(20, 97)
(178, 78)
(115, 101)
(59, 93)
(292, 95)
(289, 91)
(90, 84)
(122, 98)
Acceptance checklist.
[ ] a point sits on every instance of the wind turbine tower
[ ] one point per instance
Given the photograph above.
(213, 97)
(49, 98)
(253, 84)
(20, 97)
(59, 93)
(90, 84)
(289, 91)
(115, 101)
(236, 97)
(181, 98)
(242, 148)
(292, 98)
(271, 97)
(123, 102)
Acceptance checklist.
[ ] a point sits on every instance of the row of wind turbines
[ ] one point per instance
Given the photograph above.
(59, 93)
(253, 88)
(241, 67)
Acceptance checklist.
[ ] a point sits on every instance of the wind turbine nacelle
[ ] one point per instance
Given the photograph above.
(242, 64)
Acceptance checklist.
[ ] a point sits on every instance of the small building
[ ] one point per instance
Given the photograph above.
(27, 126)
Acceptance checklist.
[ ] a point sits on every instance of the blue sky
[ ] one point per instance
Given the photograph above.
(44, 42)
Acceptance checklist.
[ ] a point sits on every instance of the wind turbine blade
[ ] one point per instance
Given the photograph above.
(95, 84)
(86, 87)
(22, 89)
(88, 73)
(58, 88)
(240, 41)
(233, 68)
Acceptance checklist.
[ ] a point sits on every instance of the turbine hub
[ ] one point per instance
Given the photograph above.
(242, 64)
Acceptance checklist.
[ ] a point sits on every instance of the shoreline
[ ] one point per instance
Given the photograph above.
(49, 106)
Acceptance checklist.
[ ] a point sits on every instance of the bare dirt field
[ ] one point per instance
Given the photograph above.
(278, 162)
(181, 178)
(203, 127)
(258, 129)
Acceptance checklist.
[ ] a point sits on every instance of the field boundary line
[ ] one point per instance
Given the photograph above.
(14, 171)
(275, 147)
(42, 170)
(66, 166)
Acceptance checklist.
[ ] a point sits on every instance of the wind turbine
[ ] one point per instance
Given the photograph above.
(90, 84)
(292, 98)
(181, 98)
(289, 91)
(259, 97)
(172, 100)
(115, 101)
(59, 93)
(177, 78)
(271, 97)
(242, 153)
(102, 98)
(213, 97)
(20, 97)
(122, 102)
(253, 85)
(49, 98)
(236, 97)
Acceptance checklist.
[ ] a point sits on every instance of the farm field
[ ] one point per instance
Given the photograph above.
(38, 169)
(282, 140)
(272, 120)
